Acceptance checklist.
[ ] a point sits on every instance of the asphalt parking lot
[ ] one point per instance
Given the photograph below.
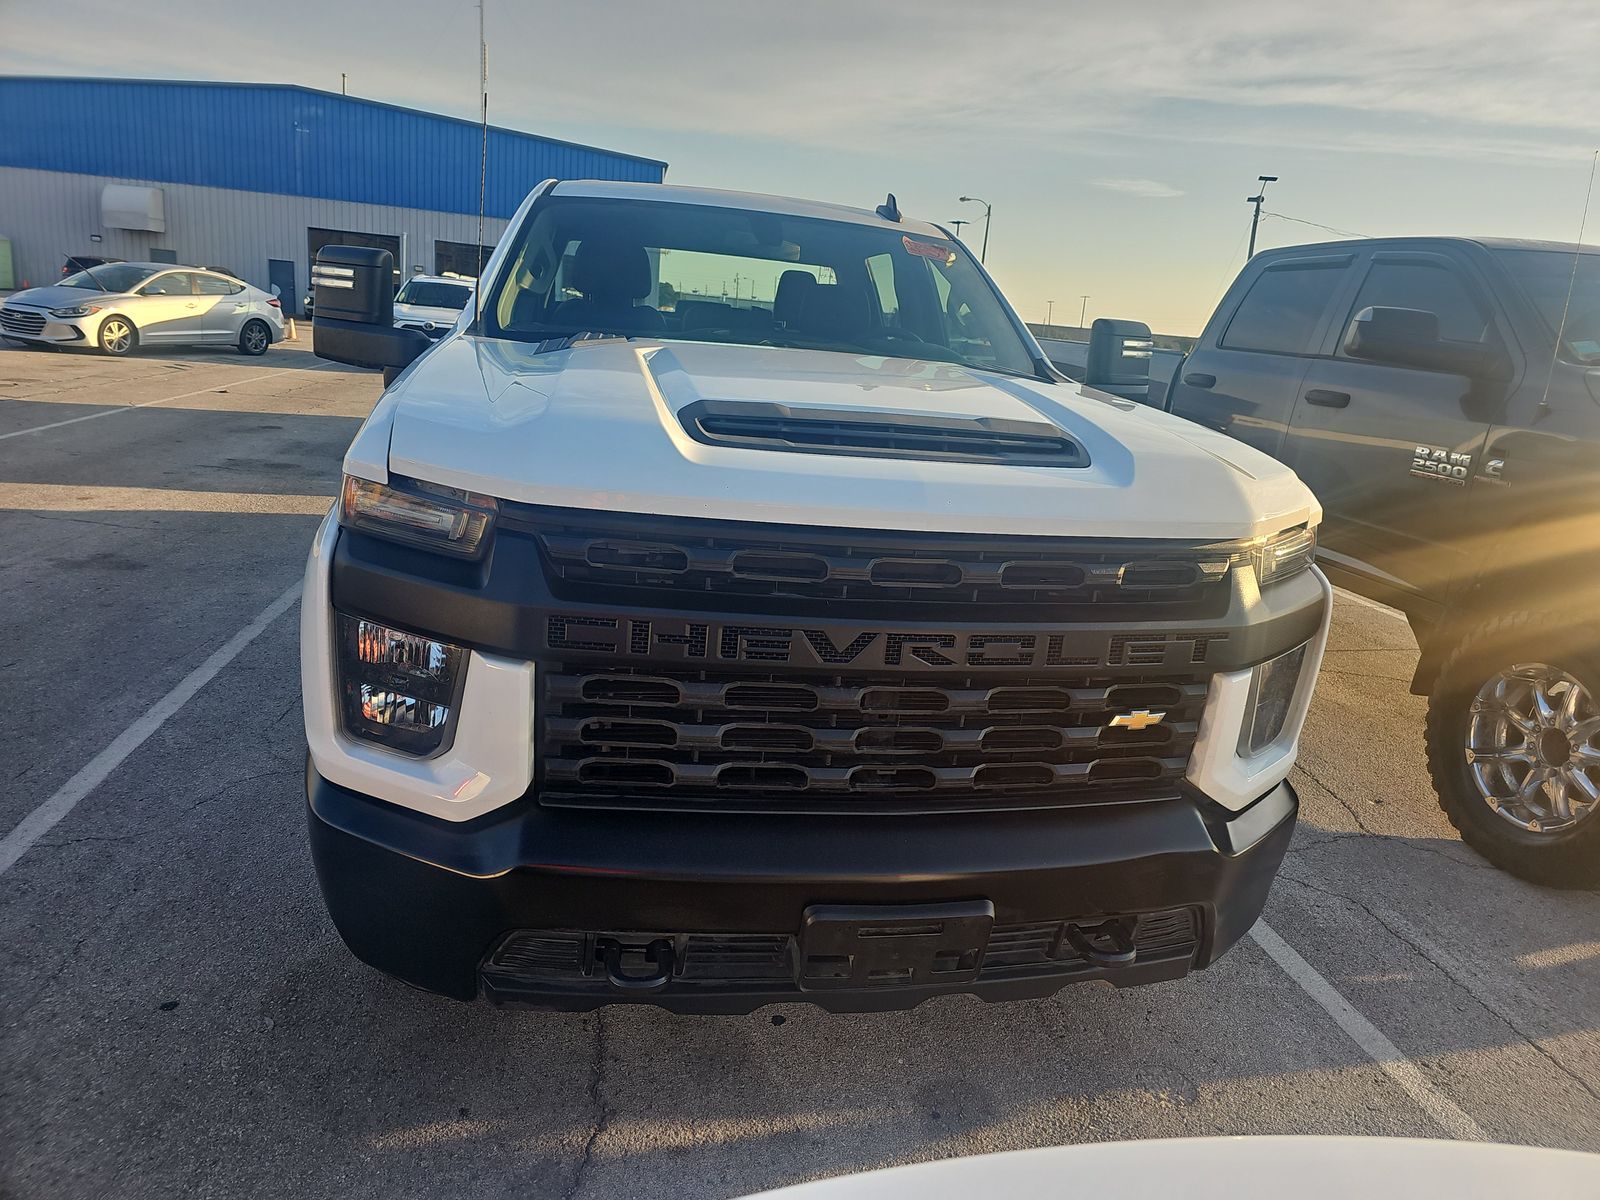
(177, 1016)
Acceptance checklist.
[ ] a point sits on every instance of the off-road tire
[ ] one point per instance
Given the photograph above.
(1568, 858)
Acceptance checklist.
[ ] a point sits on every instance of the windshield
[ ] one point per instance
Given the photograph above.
(110, 277)
(1547, 276)
(428, 293)
(704, 273)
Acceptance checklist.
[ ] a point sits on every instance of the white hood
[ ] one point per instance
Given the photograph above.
(596, 427)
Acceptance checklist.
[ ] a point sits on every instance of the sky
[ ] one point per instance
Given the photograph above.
(1117, 143)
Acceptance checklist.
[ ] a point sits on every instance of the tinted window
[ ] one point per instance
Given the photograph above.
(215, 285)
(1280, 312)
(173, 283)
(1432, 288)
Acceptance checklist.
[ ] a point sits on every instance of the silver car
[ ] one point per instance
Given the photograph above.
(120, 306)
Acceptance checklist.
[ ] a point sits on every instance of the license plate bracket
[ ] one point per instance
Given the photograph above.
(859, 946)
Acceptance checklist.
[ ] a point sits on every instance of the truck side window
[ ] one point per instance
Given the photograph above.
(1281, 311)
(1432, 288)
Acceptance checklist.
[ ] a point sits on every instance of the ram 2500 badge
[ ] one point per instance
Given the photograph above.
(820, 643)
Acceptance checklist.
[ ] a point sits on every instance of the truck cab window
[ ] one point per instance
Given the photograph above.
(1429, 287)
(1282, 309)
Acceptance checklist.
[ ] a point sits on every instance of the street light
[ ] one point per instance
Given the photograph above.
(1255, 217)
(988, 210)
(1083, 312)
(958, 223)
(1049, 310)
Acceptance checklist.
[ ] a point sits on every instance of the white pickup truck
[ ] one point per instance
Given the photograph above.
(740, 608)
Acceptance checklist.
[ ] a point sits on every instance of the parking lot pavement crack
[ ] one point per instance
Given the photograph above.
(55, 516)
(598, 1102)
(1343, 803)
(1456, 977)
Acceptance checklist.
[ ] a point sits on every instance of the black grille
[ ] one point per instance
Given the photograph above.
(532, 957)
(765, 426)
(617, 737)
(684, 562)
(20, 320)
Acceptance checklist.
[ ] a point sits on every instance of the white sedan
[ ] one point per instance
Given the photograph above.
(120, 306)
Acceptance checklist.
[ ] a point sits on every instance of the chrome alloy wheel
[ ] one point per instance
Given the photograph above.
(1533, 748)
(116, 335)
(255, 337)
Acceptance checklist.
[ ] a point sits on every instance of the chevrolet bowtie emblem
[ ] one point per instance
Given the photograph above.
(1139, 718)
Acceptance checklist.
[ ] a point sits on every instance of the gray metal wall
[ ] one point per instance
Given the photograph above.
(50, 214)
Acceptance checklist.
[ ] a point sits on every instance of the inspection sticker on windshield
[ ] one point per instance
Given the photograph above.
(937, 251)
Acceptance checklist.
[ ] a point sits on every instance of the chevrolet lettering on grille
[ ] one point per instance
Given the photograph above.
(676, 639)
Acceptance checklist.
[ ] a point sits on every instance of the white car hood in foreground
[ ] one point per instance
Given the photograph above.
(595, 427)
(1233, 1168)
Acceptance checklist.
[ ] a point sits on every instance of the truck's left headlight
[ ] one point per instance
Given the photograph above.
(428, 515)
(1273, 687)
(397, 689)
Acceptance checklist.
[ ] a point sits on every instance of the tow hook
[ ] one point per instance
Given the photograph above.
(657, 959)
(1108, 944)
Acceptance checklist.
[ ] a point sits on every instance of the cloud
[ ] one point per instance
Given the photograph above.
(1412, 76)
(1146, 189)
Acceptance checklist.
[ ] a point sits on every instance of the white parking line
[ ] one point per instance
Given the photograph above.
(95, 772)
(1372, 604)
(1446, 1113)
(111, 412)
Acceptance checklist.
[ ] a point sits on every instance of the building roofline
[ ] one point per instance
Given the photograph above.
(311, 91)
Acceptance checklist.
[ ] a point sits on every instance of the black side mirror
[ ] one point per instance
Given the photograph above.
(353, 319)
(1119, 358)
(1409, 337)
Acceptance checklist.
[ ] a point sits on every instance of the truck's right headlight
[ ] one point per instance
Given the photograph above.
(428, 515)
(397, 689)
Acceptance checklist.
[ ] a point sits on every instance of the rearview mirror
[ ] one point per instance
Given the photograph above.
(1409, 337)
(353, 319)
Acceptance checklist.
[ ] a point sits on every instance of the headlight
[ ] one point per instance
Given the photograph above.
(1272, 692)
(448, 520)
(77, 310)
(1284, 555)
(397, 689)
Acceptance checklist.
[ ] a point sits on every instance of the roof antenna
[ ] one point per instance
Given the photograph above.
(1577, 255)
(483, 160)
(889, 210)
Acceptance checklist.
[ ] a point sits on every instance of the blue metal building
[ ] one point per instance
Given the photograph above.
(254, 177)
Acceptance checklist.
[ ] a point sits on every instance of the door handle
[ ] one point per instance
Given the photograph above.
(1200, 379)
(1327, 399)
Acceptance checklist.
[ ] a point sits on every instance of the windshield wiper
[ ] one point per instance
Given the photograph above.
(89, 271)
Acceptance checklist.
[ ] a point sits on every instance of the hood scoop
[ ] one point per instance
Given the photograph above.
(760, 425)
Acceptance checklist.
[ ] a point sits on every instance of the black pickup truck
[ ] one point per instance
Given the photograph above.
(1442, 398)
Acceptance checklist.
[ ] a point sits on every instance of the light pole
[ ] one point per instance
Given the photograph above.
(988, 211)
(1083, 312)
(958, 223)
(1255, 217)
(1049, 310)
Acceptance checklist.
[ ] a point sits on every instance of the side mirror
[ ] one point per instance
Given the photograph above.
(1119, 358)
(353, 318)
(1409, 337)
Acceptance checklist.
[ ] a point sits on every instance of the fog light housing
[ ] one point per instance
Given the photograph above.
(1273, 687)
(397, 689)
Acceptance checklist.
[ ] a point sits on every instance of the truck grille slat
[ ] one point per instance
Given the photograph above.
(619, 737)
(674, 561)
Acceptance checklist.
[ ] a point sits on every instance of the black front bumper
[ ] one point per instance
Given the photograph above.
(430, 902)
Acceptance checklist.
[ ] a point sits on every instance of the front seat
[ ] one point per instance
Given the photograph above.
(789, 301)
(611, 276)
